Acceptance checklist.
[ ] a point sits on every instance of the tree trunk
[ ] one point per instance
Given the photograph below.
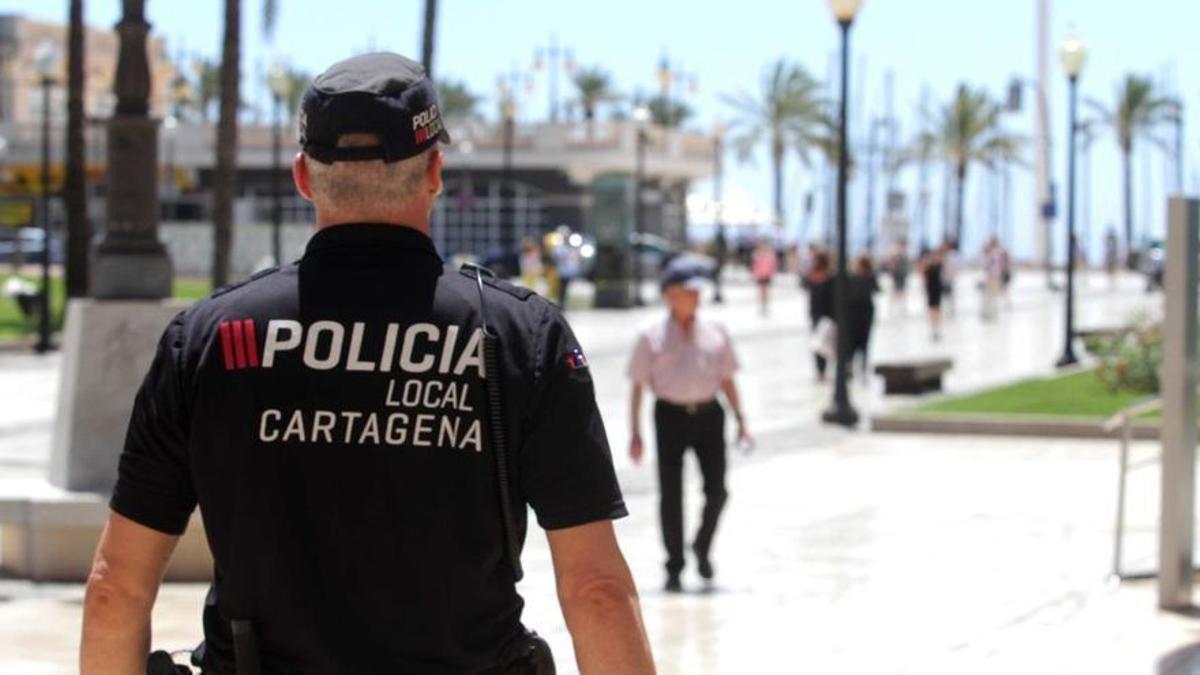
(777, 180)
(79, 231)
(1127, 179)
(960, 191)
(227, 132)
(429, 36)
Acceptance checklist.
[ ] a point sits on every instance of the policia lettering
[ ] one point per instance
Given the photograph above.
(423, 349)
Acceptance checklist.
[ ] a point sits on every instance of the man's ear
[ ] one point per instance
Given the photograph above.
(301, 176)
(433, 173)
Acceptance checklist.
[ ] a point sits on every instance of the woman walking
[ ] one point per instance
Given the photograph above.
(931, 271)
(820, 309)
(763, 266)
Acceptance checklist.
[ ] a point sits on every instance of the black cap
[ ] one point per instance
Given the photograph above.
(383, 94)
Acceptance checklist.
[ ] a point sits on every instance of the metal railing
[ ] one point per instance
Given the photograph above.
(1123, 420)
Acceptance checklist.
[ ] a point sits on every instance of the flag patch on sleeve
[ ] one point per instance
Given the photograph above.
(576, 360)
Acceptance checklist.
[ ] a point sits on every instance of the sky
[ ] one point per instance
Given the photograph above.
(928, 45)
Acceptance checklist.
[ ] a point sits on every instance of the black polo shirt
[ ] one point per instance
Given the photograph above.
(330, 419)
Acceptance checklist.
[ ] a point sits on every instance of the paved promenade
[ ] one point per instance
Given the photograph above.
(840, 552)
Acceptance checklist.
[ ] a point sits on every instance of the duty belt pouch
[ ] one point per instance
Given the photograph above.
(528, 655)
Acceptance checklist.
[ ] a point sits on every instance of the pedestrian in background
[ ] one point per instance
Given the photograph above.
(949, 273)
(898, 267)
(931, 273)
(763, 266)
(1112, 256)
(686, 361)
(820, 309)
(530, 262)
(993, 263)
(864, 284)
(568, 262)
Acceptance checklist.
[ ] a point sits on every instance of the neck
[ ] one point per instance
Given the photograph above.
(409, 218)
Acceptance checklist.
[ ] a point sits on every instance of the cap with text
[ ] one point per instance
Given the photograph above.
(383, 94)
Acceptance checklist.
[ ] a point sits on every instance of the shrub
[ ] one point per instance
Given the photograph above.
(1131, 362)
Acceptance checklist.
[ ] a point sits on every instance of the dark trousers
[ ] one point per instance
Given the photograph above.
(703, 430)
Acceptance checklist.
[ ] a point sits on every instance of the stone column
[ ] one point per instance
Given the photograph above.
(1177, 524)
(109, 340)
(130, 261)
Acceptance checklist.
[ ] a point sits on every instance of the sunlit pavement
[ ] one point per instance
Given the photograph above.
(839, 552)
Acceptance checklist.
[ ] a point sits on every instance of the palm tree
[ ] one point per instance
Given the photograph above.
(788, 113)
(968, 130)
(208, 88)
(595, 87)
(225, 175)
(74, 187)
(1138, 111)
(456, 100)
(667, 112)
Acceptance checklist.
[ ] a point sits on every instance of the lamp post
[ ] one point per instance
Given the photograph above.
(549, 59)
(1072, 54)
(508, 110)
(721, 244)
(46, 61)
(641, 117)
(840, 410)
(278, 81)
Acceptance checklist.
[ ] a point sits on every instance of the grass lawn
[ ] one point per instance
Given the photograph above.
(1078, 394)
(14, 325)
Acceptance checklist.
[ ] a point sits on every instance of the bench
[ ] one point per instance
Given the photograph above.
(914, 376)
(1094, 337)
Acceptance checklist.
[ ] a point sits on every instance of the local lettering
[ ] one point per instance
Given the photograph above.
(420, 348)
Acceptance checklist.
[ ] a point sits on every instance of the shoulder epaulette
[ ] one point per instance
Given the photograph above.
(489, 278)
(253, 277)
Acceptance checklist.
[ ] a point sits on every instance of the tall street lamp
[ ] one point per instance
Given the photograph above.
(1072, 54)
(641, 118)
(549, 59)
(721, 243)
(840, 410)
(508, 216)
(279, 82)
(46, 62)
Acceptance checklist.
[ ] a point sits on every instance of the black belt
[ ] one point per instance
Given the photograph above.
(690, 408)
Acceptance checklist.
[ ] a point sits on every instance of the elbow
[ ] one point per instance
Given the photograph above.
(598, 596)
(106, 597)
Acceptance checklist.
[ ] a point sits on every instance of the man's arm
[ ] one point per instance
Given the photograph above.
(126, 572)
(636, 447)
(731, 396)
(599, 601)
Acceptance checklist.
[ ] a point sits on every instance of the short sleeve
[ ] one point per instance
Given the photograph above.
(566, 468)
(641, 360)
(154, 485)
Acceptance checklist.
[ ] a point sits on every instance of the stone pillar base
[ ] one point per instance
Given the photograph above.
(47, 534)
(107, 349)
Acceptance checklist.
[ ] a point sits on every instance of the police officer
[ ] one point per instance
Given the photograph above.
(331, 419)
(686, 361)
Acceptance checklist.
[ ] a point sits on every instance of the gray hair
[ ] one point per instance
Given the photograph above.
(347, 186)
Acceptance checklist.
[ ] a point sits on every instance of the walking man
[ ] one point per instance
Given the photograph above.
(340, 422)
(686, 361)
